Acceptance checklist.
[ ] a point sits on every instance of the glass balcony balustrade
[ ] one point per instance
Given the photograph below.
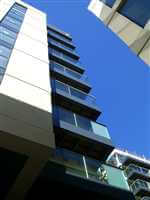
(94, 170)
(73, 92)
(84, 123)
(70, 72)
(134, 168)
(59, 37)
(63, 56)
(59, 44)
(138, 185)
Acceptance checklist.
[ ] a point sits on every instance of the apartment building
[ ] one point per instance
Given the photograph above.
(50, 142)
(136, 170)
(129, 20)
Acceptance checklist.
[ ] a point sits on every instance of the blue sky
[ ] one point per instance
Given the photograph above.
(120, 80)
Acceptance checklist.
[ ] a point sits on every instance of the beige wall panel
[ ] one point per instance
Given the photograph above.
(145, 53)
(32, 47)
(29, 69)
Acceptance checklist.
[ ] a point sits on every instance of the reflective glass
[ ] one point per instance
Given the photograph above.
(14, 10)
(61, 86)
(66, 116)
(11, 25)
(20, 8)
(109, 2)
(78, 94)
(15, 16)
(5, 51)
(138, 11)
(83, 123)
(3, 61)
(8, 32)
(59, 67)
(69, 58)
(74, 74)
(12, 20)
(7, 39)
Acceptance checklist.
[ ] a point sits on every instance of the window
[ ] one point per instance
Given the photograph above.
(7, 32)
(66, 116)
(78, 94)
(137, 11)
(83, 123)
(3, 61)
(8, 28)
(61, 86)
(7, 39)
(4, 51)
(58, 67)
(109, 2)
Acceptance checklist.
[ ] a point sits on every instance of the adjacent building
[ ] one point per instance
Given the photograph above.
(50, 143)
(136, 170)
(129, 19)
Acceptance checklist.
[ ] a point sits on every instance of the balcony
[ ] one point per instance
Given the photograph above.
(133, 160)
(134, 172)
(70, 77)
(78, 101)
(75, 176)
(60, 38)
(140, 188)
(80, 134)
(58, 31)
(62, 47)
(66, 60)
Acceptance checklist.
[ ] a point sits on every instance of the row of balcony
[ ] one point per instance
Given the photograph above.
(87, 168)
(61, 37)
(61, 45)
(67, 75)
(133, 172)
(63, 55)
(80, 134)
(78, 101)
(140, 188)
(65, 60)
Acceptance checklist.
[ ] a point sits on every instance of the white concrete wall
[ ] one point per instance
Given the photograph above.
(27, 80)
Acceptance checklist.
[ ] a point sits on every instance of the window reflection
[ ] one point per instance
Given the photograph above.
(108, 2)
(138, 11)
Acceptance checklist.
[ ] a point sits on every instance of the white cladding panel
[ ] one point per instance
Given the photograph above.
(27, 81)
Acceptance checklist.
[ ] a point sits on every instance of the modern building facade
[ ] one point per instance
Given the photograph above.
(136, 170)
(50, 142)
(129, 19)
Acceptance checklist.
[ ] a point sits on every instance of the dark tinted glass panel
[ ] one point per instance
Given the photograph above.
(61, 86)
(109, 2)
(66, 116)
(57, 66)
(83, 123)
(74, 74)
(138, 11)
(77, 94)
